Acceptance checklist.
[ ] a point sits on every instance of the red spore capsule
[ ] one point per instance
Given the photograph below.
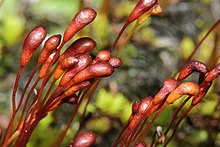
(103, 56)
(188, 88)
(31, 43)
(141, 7)
(140, 144)
(81, 19)
(84, 61)
(68, 61)
(48, 63)
(135, 107)
(51, 44)
(85, 139)
(63, 65)
(72, 99)
(145, 102)
(192, 67)
(115, 62)
(94, 71)
(74, 88)
(168, 86)
(80, 46)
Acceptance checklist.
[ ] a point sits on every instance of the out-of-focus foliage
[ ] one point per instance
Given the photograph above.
(155, 52)
(12, 25)
(187, 45)
(45, 124)
(114, 105)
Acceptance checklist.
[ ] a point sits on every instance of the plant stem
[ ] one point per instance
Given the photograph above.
(176, 113)
(197, 46)
(177, 124)
(151, 122)
(119, 35)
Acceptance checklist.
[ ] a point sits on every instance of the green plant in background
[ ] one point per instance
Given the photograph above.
(111, 106)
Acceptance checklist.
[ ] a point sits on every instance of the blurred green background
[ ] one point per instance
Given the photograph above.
(154, 53)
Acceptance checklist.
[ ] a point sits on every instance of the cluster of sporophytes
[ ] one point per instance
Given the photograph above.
(76, 74)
